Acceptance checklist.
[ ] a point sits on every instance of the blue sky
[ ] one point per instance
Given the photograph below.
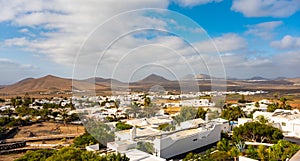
(254, 38)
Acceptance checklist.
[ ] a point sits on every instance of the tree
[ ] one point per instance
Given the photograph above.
(223, 145)
(233, 113)
(282, 150)
(123, 126)
(100, 131)
(72, 154)
(116, 157)
(257, 132)
(166, 127)
(234, 153)
(147, 101)
(186, 113)
(251, 152)
(242, 100)
(13, 102)
(84, 140)
(39, 155)
(201, 113)
(149, 111)
(262, 119)
(134, 109)
(146, 147)
(261, 152)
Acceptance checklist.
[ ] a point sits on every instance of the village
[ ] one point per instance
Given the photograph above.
(156, 126)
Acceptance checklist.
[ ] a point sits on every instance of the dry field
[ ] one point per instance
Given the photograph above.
(45, 129)
(48, 128)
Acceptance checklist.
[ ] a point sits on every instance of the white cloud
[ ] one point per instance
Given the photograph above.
(63, 25)
(192, 3)
(287, 42)
(225, 43)
(266, 8)
(22, 41)
(264, 30)
(244, 66)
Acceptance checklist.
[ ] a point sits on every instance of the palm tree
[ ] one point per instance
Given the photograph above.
(134, 109)
(223, 145)
(283, 101)
(261, 152)
(234, 153)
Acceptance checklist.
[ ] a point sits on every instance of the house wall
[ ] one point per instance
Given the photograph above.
(168, 147)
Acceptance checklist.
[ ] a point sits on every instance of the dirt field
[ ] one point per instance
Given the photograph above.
(48, 128)
(44, 129)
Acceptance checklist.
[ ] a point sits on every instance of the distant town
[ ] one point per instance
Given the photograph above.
(247, 125)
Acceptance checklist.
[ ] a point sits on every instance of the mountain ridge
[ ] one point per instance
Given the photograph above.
(55, 84)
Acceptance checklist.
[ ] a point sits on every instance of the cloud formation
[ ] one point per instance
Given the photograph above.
(287, 42)
(192, 3)
(264, 30)
(266, 8)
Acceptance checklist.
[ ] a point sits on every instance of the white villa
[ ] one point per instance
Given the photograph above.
(187, 136)
(286, 120)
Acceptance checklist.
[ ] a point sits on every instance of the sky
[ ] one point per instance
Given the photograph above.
(129, 40)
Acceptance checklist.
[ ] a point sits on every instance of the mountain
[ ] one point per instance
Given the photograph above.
(203, 76)
(44, 84)
(153, 78)
(102, 80)
(258, 78)
(188, 77)
(52, 85)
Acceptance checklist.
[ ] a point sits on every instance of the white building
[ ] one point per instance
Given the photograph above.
(286, 120)
(169, 144)
(197, 103)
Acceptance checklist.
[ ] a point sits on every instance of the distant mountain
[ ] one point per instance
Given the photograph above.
(188, 77)
(258, 78)
(101, 80)
(43, 84)
(204, 76)
(153, 78)
(52, 85)
(199, 77)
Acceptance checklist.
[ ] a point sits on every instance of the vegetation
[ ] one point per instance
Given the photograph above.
(39, 155)
(123, 126)
(257, 132)
(232, 113)
(70, 153)
(166, 127)
(229, 150)
(186, 113)
(272, 107)
(243, 100)
(10, 122)
(84, 140)
(134, 109)
(100, 131)
(201, 113)
(146, 147)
